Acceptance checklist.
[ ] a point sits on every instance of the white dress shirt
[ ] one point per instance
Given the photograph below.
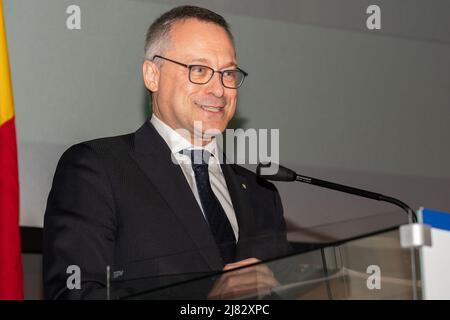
(176, 143)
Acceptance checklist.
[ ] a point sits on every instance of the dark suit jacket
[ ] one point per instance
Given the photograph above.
(120, 201)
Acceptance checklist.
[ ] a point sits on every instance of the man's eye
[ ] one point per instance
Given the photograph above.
(198, 69)
(230, 74)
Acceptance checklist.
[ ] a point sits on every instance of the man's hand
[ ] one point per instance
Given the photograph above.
(245, 281)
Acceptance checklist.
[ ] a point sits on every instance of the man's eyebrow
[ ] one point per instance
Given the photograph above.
(207, 62)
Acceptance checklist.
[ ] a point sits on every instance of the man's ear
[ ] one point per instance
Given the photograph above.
(150, 72)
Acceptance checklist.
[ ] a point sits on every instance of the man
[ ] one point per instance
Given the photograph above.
(142, 204)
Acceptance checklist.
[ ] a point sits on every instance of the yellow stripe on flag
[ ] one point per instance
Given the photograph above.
(6, 98)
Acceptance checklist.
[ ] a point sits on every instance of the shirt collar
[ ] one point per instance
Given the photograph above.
(177, 142)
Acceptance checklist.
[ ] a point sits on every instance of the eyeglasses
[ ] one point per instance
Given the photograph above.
(200, 74)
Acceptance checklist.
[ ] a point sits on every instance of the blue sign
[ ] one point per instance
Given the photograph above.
(434, 218)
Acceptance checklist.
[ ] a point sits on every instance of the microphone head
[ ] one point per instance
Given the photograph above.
(265, 170)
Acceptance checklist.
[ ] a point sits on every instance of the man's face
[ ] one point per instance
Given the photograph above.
(179, 102)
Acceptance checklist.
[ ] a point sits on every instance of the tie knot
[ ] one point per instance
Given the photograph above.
(198, 156)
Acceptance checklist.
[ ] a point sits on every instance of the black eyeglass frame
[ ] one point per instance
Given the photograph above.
(190, 66)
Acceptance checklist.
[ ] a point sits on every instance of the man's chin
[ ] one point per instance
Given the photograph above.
(210, 135)
(208, 127)
(208, 132)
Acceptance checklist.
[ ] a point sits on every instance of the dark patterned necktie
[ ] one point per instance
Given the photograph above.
(215, 215)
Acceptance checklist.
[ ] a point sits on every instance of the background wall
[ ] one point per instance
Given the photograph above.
(365, 108)
(369, 108)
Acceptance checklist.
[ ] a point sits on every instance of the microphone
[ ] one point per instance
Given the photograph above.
(285, 174)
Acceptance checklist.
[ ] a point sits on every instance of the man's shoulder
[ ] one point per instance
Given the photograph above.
(101, 147)
(111, 144)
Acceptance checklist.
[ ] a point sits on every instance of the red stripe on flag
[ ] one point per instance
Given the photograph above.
(11, 275)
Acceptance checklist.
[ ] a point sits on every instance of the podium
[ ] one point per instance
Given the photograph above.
(356, 259)
(434, 257)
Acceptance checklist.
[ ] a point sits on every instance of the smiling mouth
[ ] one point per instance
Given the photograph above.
(210, 108)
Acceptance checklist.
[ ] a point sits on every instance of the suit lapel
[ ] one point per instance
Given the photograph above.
(154, 158)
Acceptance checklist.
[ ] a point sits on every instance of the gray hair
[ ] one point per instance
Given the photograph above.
(157, 40)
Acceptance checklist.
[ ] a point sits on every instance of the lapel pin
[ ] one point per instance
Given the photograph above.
(243, 186)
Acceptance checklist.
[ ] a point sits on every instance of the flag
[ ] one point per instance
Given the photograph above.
(11, 275)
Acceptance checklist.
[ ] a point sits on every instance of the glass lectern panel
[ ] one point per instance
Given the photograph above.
(358, 259)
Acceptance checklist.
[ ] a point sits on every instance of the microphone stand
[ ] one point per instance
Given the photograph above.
(358, 192)
(285, 174)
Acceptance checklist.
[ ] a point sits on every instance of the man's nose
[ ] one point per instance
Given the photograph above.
(215, 86)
